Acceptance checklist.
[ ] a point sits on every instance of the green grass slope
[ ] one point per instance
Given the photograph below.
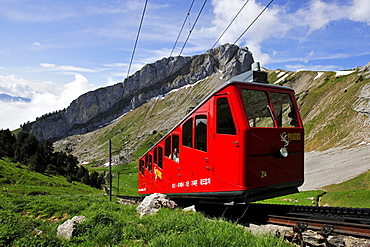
(16, 178)
(34, 205)
(352, 193)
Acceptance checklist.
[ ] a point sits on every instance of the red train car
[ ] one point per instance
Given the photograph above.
(244, 142)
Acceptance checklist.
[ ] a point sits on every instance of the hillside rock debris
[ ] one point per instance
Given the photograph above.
(152, 203)
(66, 229)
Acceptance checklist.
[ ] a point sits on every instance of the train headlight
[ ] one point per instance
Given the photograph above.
(283, 152)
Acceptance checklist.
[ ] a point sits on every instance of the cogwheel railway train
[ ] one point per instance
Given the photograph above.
(243, 143)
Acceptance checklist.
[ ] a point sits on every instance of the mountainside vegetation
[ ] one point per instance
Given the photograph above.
(25, 149)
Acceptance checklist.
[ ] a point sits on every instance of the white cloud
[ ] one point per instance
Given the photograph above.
(36, 46)
(360, 11)
(317, 15)
(45, 97)
(268, 25)
(279, 22)
(66, 68)
(299, 67)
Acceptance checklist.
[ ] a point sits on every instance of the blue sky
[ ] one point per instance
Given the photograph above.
(52, 51)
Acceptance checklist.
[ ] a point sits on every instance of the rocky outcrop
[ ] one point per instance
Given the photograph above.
(365, 70)
(94, 109)
(152, 203)
(66, 229)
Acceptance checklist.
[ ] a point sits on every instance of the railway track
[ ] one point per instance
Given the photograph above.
(327, 221)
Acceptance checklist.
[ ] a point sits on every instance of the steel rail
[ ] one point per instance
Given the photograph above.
(339, 227)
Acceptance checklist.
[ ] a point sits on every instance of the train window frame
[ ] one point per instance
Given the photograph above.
(175, 156)
(141, 167)
(187, 133)
(167, 147)
(149, 162)
(281, 107)
(263, 118)
(172, 143)
(225, 123)
(201, 133)
(158, 156)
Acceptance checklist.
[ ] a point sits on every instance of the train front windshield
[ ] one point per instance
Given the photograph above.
(261, 114)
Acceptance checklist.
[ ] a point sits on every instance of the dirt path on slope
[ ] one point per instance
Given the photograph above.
(334, 166)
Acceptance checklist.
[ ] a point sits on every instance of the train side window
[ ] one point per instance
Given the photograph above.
(141, 166)
(167, 147)
(156, 155)
(284, 109)
(187, 133)
(258, 109)
(225, 121)
(175, 147)
(148, 162)
(201, 132)
(160, 157)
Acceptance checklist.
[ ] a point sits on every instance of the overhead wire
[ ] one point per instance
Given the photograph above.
(137, 38)
(255, 19)
(240, 36)
(222, 34)
(182, 27)
(187, 38)
(192, 28)
(131, 60)
(178, 36)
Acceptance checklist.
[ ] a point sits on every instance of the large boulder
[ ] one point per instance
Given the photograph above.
(66, 229)
(152, 203)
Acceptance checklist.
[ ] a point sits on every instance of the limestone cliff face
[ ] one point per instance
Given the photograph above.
(94, 109)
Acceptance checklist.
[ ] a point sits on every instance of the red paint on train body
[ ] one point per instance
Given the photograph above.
(244, 142)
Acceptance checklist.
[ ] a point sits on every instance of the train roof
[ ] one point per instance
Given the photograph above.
(251, 77)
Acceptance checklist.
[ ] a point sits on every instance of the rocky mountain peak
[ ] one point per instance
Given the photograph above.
(96, 108)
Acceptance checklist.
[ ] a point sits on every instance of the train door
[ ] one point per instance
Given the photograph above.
(158, 168)
(172, 158)
(290, 137)
(226, 142)
(201, 154)
(262, 136)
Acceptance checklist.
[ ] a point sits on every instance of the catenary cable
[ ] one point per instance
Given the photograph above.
(255, 19)
(137, 38)
(182, 27)
(240, 10)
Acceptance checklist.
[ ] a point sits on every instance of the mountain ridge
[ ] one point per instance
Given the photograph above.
(96, 108)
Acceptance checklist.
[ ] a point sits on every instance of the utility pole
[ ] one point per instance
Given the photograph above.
(118, 184)
(110, 169)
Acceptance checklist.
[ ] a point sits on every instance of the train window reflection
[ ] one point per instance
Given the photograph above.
(257, 108)
(167, 147)
(158, 156)
(187, 133)
(225, 122)
(175, 148)
(201, 132)
(148, 162)
(285, 112)
(172, 147)
(141, 166)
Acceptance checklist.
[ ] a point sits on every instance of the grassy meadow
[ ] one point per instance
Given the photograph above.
(34, 205)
